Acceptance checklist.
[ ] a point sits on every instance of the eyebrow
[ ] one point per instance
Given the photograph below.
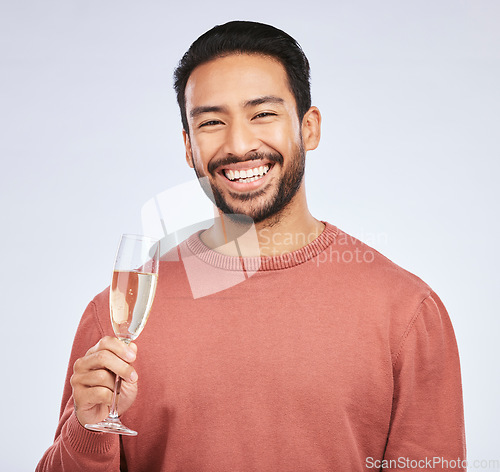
(197, 111)
(262, 100)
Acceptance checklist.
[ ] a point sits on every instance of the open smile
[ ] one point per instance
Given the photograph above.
(244, 177)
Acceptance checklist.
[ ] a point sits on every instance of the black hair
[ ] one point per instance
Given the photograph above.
(252, 38)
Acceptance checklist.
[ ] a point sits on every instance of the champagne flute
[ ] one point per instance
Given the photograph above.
(131, 296)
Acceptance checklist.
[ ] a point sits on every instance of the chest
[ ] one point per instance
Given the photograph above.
(260, 375)
(262, 345)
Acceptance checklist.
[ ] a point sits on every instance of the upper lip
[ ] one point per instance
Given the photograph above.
(245, 165)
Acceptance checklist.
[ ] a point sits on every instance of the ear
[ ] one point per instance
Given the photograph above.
(189, 153)
(311, 129)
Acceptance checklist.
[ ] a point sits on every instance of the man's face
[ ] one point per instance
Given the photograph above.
(244, 134)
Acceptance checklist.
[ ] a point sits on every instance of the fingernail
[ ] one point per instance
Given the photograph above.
(134, 376)
(130, 354)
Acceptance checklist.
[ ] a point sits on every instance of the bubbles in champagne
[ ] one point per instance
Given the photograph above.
(130, 299)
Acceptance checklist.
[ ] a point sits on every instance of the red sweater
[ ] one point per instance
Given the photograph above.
(329, 358)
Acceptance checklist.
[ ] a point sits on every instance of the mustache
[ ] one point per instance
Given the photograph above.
(276, 158)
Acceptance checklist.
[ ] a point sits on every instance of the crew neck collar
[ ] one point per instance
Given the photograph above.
(262, 263)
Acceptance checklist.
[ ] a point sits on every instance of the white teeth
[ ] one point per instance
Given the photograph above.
(247, 175)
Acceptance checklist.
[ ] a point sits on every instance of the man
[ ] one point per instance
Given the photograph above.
(318, 355)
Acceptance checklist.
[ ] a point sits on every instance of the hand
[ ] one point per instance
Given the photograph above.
(93, 379)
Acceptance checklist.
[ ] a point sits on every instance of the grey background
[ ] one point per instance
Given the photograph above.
(90, 131)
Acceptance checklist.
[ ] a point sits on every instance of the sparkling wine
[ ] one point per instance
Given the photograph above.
(130, 299)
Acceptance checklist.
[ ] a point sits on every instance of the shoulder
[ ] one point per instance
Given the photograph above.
(375, 270)
(388, 295)
(391, 296)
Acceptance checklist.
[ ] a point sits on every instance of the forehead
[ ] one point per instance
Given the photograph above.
(235, 78)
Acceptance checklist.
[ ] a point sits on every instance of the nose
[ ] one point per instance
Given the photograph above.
(240, 139)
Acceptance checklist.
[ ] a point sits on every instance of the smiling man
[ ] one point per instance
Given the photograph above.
(244, 133)
(319, 354)
(247, 134)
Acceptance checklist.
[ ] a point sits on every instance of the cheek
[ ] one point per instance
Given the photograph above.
(282, 139)
(203, 149)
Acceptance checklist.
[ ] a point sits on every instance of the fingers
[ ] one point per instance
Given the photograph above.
(114, 345)
(111, 354)
(99, 366)
(94, 376)
(105, 360)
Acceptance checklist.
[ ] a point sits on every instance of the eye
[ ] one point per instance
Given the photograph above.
(264, 114)
(210, 123)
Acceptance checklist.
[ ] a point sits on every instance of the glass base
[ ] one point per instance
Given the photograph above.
(111, 425)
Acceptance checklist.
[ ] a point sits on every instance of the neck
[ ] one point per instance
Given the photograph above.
(279, 234)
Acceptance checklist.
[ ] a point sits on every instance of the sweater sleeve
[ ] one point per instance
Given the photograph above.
(427, 422)
(75, 448)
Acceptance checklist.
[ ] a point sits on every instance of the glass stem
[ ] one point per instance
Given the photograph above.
(113, 413)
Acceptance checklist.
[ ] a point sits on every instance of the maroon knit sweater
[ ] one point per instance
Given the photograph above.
(329, 358)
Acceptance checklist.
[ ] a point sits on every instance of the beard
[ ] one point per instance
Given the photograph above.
(254, 205)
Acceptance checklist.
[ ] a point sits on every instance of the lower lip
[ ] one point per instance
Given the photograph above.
(246, 186)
